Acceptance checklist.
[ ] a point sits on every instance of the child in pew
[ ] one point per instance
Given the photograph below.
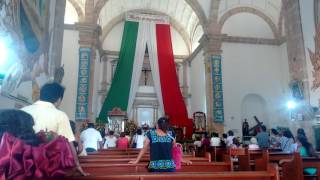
(161, 142)
(111, 141)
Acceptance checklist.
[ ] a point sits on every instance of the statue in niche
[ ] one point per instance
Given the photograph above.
(199, 120)
(315, 60)
(245, 128)
(25, 29)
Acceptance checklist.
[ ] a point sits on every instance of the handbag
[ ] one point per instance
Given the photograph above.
(176, 153)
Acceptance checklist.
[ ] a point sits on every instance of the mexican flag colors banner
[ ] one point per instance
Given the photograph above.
(152, 32)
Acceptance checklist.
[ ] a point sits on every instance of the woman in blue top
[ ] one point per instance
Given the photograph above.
(161, 141)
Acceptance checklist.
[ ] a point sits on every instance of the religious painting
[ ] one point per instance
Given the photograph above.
(199, 121)
(25, 36)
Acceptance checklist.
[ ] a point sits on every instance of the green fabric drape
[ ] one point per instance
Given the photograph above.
(118, 94)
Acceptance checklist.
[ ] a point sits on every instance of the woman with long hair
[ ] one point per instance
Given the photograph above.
(161, 141)
(306, 150)
(19, 124)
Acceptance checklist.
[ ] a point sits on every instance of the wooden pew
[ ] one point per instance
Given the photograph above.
(97, 168)
(108, 160)
(293, 169)
(311, 162)
(270, 174)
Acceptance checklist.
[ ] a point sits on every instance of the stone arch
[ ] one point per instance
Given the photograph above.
(107, 28)
(250, 10)
(254, 105)
(196, 7)
(78, 9)
(99, 5)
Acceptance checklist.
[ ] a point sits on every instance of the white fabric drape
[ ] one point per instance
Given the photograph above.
(138, 62)
(153, 57)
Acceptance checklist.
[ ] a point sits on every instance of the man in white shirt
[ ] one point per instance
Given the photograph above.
(230, 138)
(91, 138)
(48, 118)
(215, 140)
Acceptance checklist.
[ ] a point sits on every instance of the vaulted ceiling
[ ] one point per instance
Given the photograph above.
(186, 16)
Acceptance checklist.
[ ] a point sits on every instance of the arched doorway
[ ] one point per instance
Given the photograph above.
(254, 105)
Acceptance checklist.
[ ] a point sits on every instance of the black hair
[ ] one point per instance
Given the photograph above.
(275, 132)
(51, 92)
(287, 133)
(111, 133)
(19, 124)
(214, 134)
(73, 126)
(301, 131)
(163, 124)
(304, 142)
(264, 128)
(90, 125)
(230, 133)
(122, 134)
(139, 131)
(224, 135)
(236, 141)
(198, 138)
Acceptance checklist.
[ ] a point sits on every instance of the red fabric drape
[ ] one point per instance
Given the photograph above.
(173, 101)
(20, 161)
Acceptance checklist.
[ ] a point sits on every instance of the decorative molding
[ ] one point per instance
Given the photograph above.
(137, 17)
(242, 40)
(252, 40)
(70, 27)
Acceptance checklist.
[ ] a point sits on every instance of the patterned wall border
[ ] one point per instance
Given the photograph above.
(83, 84)
(218, 109)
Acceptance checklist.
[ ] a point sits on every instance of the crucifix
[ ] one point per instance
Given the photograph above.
(259, 124)
(145, 71)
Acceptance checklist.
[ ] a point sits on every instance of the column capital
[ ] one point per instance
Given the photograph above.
(211, 43)
(88, 34)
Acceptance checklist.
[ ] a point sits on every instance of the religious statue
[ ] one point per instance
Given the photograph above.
(315, 60)
(199, 120)
(245, 128)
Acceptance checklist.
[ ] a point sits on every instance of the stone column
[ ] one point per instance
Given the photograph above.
(185, 83)
(88, 34)
(211, 44)
(296, 52)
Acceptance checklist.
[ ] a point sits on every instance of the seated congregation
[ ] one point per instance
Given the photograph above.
(39, 142)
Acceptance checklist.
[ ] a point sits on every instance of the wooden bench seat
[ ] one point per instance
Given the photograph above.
(98, 168)
(293, 169)
(126, 160)
(260, 175)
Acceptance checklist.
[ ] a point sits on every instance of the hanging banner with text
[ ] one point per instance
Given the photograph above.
(218, 110)
(83, 84)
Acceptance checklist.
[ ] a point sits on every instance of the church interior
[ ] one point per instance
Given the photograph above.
(213, 68)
